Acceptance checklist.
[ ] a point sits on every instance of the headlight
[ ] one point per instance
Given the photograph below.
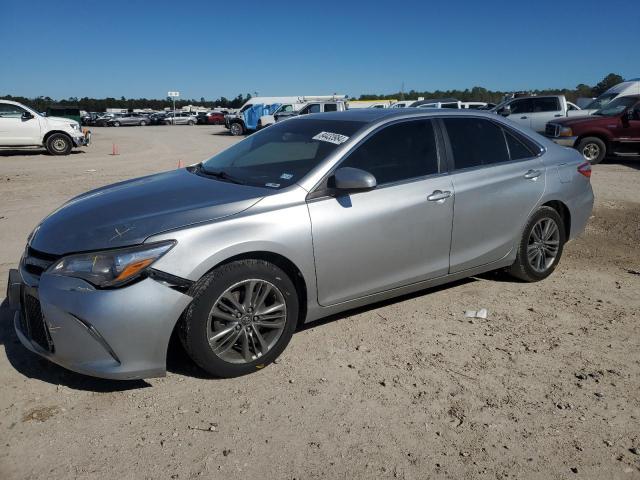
(75, 126)
(112, 268)
(565, 132)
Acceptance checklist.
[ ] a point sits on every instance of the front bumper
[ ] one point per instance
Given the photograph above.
(82, 140)
(564, 141)
(118, 334)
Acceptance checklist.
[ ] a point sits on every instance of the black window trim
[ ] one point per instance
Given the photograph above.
(528, 142)
(321, 191)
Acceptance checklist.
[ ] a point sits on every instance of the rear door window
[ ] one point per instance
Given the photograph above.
(330, 107)
(475, 142)
(517, 149)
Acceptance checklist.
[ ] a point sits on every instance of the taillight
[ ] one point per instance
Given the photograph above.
(585, 169)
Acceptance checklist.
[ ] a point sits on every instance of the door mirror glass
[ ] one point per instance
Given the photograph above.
(27, 115)
(349, 178)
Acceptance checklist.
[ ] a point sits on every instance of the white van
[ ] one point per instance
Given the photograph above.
(624, 89)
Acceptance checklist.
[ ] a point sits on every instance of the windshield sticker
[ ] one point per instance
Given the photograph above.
(272, 185)
(286, 176)
(331, 137)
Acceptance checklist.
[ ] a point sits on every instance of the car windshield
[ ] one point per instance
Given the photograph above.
(616, 107)
(281, 154)
(601, 101)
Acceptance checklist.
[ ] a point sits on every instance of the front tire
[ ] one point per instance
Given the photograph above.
(242, 317)
(190, 123)
(592, 149)
(59, 144)
(236, 129)
(116, 124)
(143, 123)
(541, 246)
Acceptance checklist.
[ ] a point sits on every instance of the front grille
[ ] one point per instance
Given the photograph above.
(33, 324)
(552, 130)
(35, 262)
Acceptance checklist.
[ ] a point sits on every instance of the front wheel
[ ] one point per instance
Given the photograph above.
(59, 144)
(116, 124)
(242, 317)
(592, 149)
(540, 247)
(190, 123)
(236, 129)
(142, 123)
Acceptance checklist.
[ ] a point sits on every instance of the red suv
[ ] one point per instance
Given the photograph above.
(613, 130)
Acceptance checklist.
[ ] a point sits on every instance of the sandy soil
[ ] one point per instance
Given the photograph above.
(547, 387)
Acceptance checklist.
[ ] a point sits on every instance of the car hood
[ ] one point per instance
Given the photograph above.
(60, 120)
(129, 212)
(590, 120)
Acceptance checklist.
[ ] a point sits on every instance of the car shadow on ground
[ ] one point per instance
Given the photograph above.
(32, 366)
(631, 162)
(22, 153)
(178, 362)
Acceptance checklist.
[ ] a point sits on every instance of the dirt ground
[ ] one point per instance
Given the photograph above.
(547, 387)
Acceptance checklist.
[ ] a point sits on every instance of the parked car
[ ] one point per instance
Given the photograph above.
(89, 118)
(403, 104)
(629, 87)
(535, 112)
(215, 118)
(313, 107)
(129, 119)
(307, 218)
(438, 103)
(103, 119)
(21, 126)
(612, 130)
(157, 118)
(180, 118)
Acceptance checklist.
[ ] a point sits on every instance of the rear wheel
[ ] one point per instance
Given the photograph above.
(592, 149)
(190, 122)
(142, 123)
(116, 124)
(236, 129)
(242, 317)
(59, 144)
(541, 246)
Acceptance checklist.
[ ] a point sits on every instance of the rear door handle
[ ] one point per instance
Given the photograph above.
(523, 118)
(558, 115)
(532, 174)
(439, 196)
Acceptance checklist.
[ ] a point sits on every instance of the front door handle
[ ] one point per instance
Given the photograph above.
(439, 196)
(523, 118)
(532, 174)
(558, 115)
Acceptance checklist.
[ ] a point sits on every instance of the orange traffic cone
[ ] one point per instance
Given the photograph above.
(114, 150)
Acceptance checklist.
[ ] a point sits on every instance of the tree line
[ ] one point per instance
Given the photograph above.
(478, 94)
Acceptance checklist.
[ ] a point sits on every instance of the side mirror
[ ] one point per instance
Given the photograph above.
(505, 111)
(27, 116)
(352, 179)
(630, 114)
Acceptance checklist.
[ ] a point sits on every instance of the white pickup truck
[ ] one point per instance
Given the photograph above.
(535, 112)
(21, 126)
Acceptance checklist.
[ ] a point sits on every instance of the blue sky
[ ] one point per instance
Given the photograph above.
(209, 49)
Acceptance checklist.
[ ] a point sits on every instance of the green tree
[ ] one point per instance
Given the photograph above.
(606, 83)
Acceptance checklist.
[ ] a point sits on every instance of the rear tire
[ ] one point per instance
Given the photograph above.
(59, 144)
(236, 129)
(592, 149)
(540, 247)
(190, 123)
(116, 124)
(142, 123)
(202, 321)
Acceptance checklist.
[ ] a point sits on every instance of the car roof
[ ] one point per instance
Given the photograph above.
(373, 115)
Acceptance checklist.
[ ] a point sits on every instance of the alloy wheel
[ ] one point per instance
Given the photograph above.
(543, 244)
(591, 151)
(246, 321)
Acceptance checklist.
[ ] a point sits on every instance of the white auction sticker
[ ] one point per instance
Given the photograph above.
(331, 137)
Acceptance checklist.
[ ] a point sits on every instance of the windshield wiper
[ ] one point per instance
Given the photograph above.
(220, 175)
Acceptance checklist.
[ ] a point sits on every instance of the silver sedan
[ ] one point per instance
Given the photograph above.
(310, 217)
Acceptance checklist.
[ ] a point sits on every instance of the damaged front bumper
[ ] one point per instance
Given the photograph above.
(118, 334)
(82, 140)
